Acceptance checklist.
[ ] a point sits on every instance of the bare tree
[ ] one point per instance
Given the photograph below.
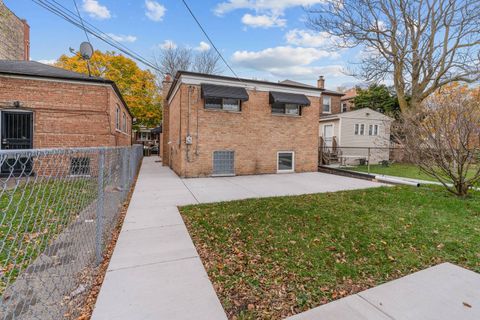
(443, 137)
(421, 45)
(208, 62)
(172, 59)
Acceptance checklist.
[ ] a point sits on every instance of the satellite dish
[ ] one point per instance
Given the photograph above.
(86, 50)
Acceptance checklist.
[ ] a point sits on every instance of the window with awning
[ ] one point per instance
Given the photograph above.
(288, 103)
(223, 97)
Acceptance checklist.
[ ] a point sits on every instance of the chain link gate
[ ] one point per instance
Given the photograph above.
(58, 208)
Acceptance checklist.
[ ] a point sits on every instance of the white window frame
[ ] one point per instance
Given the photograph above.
(293, 162)
(376, 129)
(117, 118)
(124, 122)
(329, 104)
(356, 130)
(362, 129)
(344, 104)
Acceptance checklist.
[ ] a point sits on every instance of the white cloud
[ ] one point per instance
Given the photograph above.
(308, 38)
(274, 6)
(96, 10)
(202, 46)
(155, 11)
(168, 44)
(263, 21)
(122, 37)
(280, 57)
(304, 72)
(47, 61)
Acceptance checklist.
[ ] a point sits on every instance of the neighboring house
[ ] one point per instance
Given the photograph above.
(351, 134)
(217, 125)
(147, 136)
(347, 101)
(330, 101)
(42, 106)
(14, 36)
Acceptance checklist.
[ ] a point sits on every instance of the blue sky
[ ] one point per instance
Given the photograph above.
(263, 39)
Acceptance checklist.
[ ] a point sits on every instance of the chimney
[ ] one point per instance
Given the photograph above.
(26, 40)
(166, 84)
(321, 82)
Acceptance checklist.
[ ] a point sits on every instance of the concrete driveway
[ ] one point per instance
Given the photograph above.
(270, 185)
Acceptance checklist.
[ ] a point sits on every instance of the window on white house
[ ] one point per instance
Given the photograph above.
(286, 108)
(327, 104)
(373, 130)
(359, 129)
(286, 161)
(223, 104)
(344, 107)
(117, 118)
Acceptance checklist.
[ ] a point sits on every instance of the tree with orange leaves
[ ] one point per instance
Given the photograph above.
(443, 137)
(137, 86)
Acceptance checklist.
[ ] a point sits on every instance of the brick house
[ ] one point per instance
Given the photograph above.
(42, 106)
(14, 36)
(217, 125)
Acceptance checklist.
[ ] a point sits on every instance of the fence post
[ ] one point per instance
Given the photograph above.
(100, 208)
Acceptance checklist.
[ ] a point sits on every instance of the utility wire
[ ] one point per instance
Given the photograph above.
(64, 13)
(209, 39)
(81, 20)
(86, 35)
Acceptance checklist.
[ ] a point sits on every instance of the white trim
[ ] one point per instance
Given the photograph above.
(248, 85)
(329, 105)
(339, 138)
(293, 162)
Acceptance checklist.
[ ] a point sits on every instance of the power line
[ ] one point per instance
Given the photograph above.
(81, 20)
(64, 13)
(209, 39)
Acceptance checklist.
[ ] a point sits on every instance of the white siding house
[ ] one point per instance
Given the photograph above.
(354, 132)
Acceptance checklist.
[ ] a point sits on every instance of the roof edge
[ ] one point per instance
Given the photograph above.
(220, 77)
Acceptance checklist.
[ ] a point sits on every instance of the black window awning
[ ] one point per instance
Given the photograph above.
(225, 92)
(293, 98)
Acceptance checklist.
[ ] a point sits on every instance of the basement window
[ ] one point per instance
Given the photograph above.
(285, 161)
(80, 166)
(223, 104)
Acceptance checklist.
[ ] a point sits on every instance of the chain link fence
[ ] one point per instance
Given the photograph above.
(58, 208)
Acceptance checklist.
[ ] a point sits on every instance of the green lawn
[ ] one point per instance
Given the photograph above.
(32, 215)
(274, 257)
(396, 169)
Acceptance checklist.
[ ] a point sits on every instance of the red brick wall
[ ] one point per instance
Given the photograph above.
(254, 134)
(336, 103)
(67, 114)
(14, 36)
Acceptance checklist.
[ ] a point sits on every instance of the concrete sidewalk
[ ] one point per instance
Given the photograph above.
(155, 271)
(443, 292)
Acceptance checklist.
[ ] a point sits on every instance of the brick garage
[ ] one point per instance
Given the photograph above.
(68, 109)
(255, 134)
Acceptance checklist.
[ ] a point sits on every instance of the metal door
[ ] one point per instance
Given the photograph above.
(223, 163)
(17, 133)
